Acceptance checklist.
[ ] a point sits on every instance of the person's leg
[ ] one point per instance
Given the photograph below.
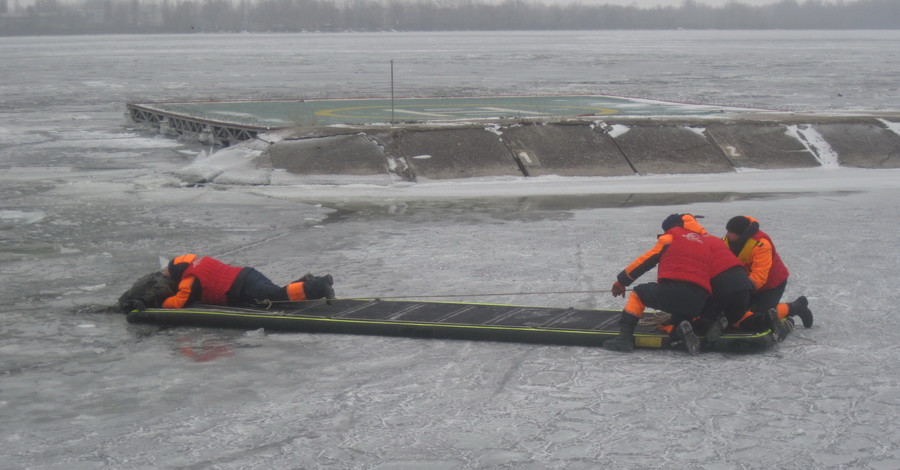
(761, 302)
(708, 319)
(800, 308)
(684, 301)
(632, 312)
(255, 287)
(762, 322)
(317, 287)
(734, 306)
(764, 313)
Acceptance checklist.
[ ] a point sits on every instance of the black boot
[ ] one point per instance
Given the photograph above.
(775, 325)
(685, 333)
(715, 330)
(800, 308)
(318, 287)
(625, 341)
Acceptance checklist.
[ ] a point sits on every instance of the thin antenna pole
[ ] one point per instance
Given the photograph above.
(392, 91)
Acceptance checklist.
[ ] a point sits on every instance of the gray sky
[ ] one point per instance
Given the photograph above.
(637, 3)
(660, 3)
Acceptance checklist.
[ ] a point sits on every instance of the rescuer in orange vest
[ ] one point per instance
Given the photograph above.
(755, 250)
(731, 289)
(682, 286)
(210, 281)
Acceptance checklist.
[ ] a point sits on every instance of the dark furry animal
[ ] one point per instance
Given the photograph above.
(147, 292)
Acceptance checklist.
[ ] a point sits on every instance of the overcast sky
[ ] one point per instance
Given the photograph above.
(637, 3)
(659, 3)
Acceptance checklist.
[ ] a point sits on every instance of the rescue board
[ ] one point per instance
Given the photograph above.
(445, 320)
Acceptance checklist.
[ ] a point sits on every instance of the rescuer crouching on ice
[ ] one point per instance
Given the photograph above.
(683, 284)
(209, 281)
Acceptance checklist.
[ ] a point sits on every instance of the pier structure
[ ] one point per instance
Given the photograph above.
(447, 138)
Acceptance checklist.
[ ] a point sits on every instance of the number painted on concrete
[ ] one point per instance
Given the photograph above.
(733, 151)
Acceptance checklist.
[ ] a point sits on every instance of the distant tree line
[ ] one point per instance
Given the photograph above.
(189, 16)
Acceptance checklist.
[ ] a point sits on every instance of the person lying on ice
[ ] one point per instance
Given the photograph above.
(210, 281)
(756, 251)
(682, 287)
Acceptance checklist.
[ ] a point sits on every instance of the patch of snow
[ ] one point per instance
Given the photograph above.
(701, 131)
(616, 130)
(238, 164)
(496, 129)
(893, 126)
(816, 144)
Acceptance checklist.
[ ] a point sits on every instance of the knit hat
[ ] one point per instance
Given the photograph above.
(738, 224)
(673, 220)
(178, 264)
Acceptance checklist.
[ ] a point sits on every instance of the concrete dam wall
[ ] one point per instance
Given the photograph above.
(591, 147)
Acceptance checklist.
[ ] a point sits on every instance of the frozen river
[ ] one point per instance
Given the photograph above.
(88, 206)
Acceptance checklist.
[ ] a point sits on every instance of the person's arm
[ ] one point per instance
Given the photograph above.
(760, 263)
(645, 262)
(183, 296)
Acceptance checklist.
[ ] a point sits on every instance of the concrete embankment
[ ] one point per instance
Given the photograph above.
(589, 147)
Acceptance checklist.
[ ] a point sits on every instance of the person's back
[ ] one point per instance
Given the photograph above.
(686, 259)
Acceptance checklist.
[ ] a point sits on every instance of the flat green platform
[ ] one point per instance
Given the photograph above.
(446, 320)
(236, 120)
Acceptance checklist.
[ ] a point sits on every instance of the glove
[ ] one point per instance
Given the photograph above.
(618, 290)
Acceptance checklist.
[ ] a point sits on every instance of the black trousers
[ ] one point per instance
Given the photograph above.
(251, 286)
(731, 295)
(683, 300)
(761, 302)
(733, 306)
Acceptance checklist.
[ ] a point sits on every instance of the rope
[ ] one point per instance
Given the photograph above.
(654, 318)
(269, 303)
(495, 294)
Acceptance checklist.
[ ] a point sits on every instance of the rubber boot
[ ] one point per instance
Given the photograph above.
(774, 324)
(625, 341)
(318, 287)
(306, 277)
(688, 338)
(715, 330)
(800, 308)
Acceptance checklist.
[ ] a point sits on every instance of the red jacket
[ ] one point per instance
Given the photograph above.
(687, 258)
(215, 279)
(722, 258)
(762, 262)
(680, 254)
(759, 257)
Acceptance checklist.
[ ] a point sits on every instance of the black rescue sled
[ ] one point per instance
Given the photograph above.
(449, 320)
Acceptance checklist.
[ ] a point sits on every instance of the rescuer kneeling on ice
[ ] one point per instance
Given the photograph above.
(683, 285)
(756, 251)
(210, 281)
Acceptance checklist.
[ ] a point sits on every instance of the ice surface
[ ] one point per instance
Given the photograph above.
(88, 206)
